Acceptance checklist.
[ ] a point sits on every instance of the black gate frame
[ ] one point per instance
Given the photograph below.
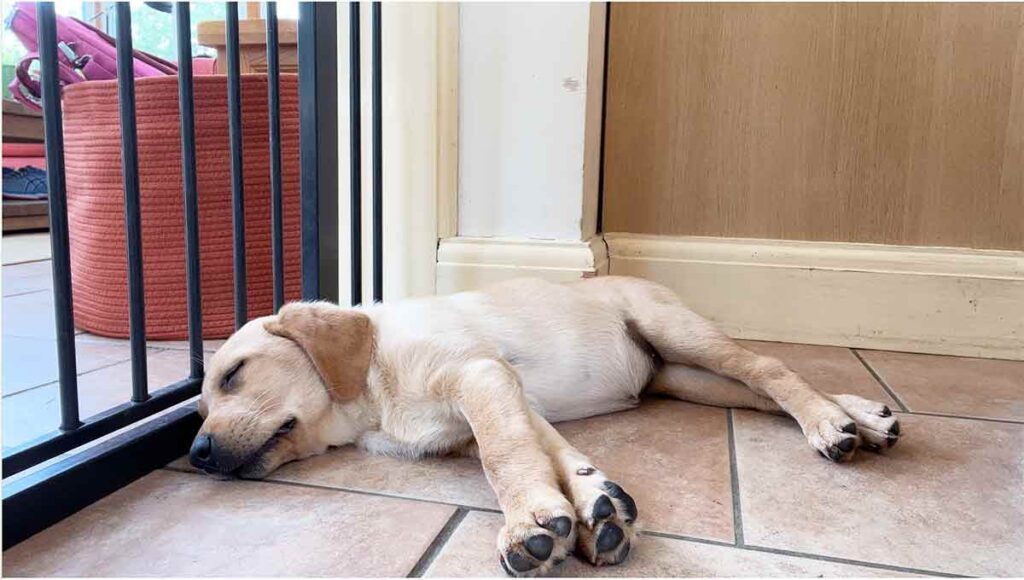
(72, 480)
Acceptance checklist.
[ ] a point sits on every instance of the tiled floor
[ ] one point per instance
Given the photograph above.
(720, 493)
(29, 357)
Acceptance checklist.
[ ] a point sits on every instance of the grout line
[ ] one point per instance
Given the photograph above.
(349, 490)
(802, 555)
(734, 479)
(438, 544)
(83, 373)
(692, 539)
(866, 564)
(35, 261)
(964, 417)
(47, 384)
(27, 292)
(878, 378)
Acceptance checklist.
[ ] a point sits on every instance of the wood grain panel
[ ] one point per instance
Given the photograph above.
(884, 123)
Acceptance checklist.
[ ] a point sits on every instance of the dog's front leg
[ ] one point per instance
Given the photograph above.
(540, 528)
(606, 524)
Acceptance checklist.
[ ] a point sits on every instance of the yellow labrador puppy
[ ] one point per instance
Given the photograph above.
(486, 373)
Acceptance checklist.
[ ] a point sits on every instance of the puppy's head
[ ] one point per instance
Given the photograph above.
(269, 391)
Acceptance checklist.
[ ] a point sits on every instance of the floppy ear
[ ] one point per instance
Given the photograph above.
(338, 342)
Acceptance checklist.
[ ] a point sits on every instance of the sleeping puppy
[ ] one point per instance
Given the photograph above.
(486, 373)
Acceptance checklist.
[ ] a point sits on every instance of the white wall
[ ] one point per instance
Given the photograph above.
(409, 122)
(522, 105)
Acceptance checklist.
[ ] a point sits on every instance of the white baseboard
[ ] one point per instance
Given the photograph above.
(465, 263)
(933, 300)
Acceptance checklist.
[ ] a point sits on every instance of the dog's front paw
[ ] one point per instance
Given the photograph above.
(607, 518)
(536, 540)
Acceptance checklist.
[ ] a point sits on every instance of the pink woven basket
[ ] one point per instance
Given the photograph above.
(92, 143)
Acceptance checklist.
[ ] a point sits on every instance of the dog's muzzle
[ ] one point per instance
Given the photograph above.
(202, 455)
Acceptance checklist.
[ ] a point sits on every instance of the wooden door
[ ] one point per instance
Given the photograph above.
(885, 123)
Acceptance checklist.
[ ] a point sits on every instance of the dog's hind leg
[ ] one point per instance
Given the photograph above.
(605, 513)
(834, 425)
(698, 385)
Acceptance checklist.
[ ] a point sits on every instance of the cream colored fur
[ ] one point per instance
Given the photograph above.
(486, 373)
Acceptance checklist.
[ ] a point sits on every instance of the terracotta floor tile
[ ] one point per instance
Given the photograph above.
(31, 362)
(832, 369)
(175, 524)
(471, 552)
(947, 498)
(446, 479)
(27, 277)
(34, 412)
(953, 385)
(672, 457)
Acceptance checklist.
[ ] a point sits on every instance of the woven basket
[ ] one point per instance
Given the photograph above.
(92, 153)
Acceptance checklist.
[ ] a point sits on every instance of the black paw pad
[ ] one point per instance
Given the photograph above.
(610, 537)
(847, 445)
(850, 428)
(891, 440)
(627, 500)
(561, 526)
(895, 429)
(886, 412)
(519, 562)
(602, 508)
(540, 546)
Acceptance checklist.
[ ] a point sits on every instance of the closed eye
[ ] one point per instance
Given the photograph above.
(228, 382)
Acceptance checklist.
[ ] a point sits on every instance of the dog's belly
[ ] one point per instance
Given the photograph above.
(597, 375)
(576, 355)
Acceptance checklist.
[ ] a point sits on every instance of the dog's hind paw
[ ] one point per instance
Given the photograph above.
(846, 423)
(607, 519)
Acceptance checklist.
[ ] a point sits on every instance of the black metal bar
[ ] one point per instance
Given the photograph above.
(604, 118)
(378, 162)
(237, 167)
(355, 108)
(39, 500)
(188, 176)
(308, 144)
(61, 263)
(50, 445)
(318, 102)
(132, 216)
(276, 196)
(327, 146)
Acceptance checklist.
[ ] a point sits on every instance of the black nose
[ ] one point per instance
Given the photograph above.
(201, 454)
